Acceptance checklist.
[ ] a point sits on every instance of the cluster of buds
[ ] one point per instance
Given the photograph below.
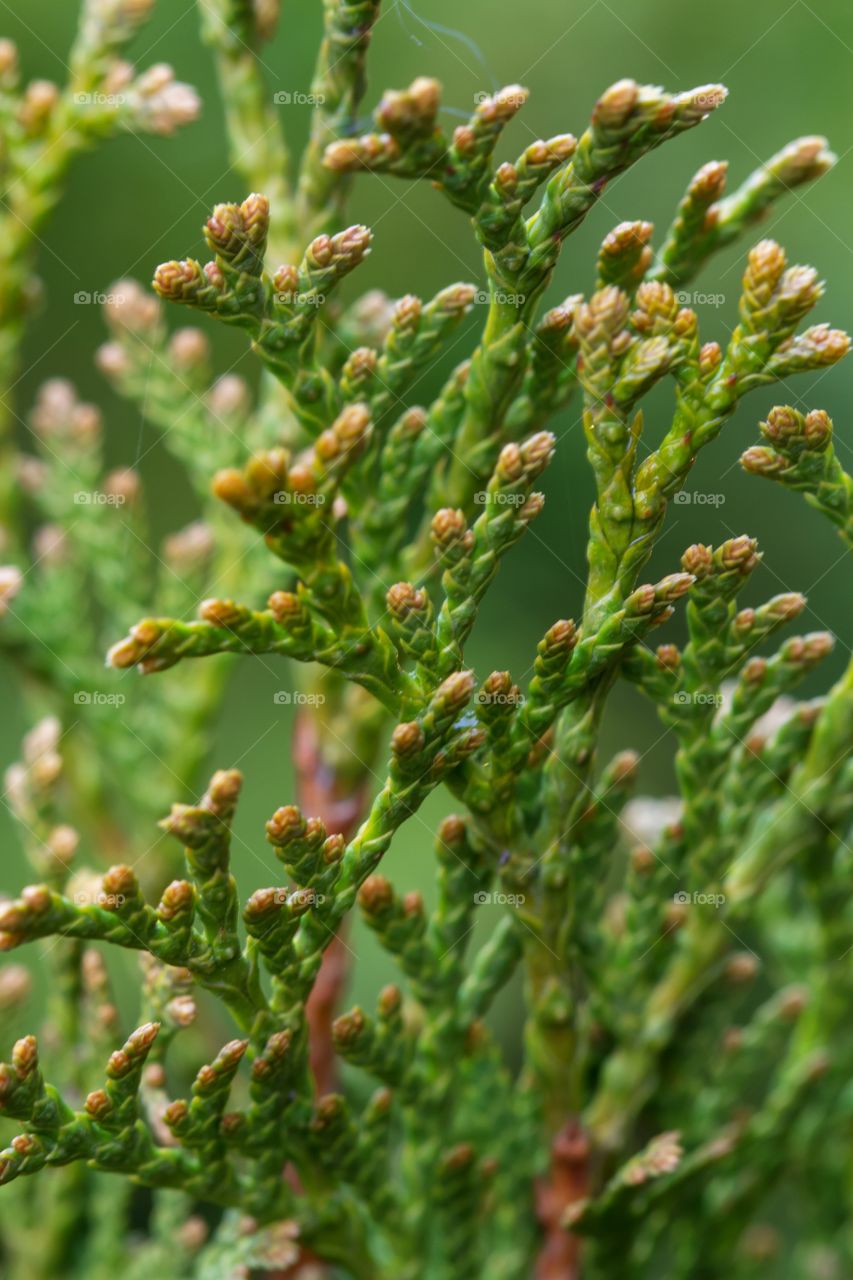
(800, 454)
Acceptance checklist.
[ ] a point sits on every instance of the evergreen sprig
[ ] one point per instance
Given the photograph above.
(681, 966)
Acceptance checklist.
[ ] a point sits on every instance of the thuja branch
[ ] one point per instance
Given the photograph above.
(660, 1080)
(45, 126)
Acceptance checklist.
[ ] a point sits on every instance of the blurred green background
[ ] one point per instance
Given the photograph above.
(789, 68)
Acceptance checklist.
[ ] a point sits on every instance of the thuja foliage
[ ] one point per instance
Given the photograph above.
(673, 1105)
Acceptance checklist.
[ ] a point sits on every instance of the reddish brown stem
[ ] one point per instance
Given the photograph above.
(320, 795)
(567, 1182)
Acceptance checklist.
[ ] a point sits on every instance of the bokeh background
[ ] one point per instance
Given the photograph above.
(789, 68)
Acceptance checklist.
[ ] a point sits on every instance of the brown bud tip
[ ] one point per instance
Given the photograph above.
(227, 1059)
(787, 606)
(673, 587)
(803, 159)
(817, 428)
(456, 299)
(375, 895)
(449, 528)
(178, 280)
(118, 884)
(562, 146)
(334, 848)
(817, 646)
(223, 791)
(349, 1027)
(698, 560)
(710, 358)
(537, 452)
(742, 967)
(37, 899)
(762, 461)
(390, 1001)
(361, 363)
(506, 178)
(62, 842)
(219, 613)
(25, 1056)
(793, 1001)
(624, 767)
(381, 1101)
(628, 238)
(8, 61)
(709, 183)
(230, 486)
(98, 1104)
(263, 902)
(353, 243)
(451, 831)
(668, 656)
(404, 599)
(739, 553)
(407, 739)
(255, 211)
(698, 103)
(642, 859)
(783, 423)
(15, 984)
(464, 138)
(413, 421)
(504, 104)
(286, 607)
(286, 826)
(459, 1158)
(123, 1060)
(190, 548)
(188, 348)
(176, 1113)
(561, 637)
(181, 1011)
(286, 283)
(616, 104)
(766, 262)
(824, 345)
(498, 684)
(453, 693)
(154, 1076)
(754, 671)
